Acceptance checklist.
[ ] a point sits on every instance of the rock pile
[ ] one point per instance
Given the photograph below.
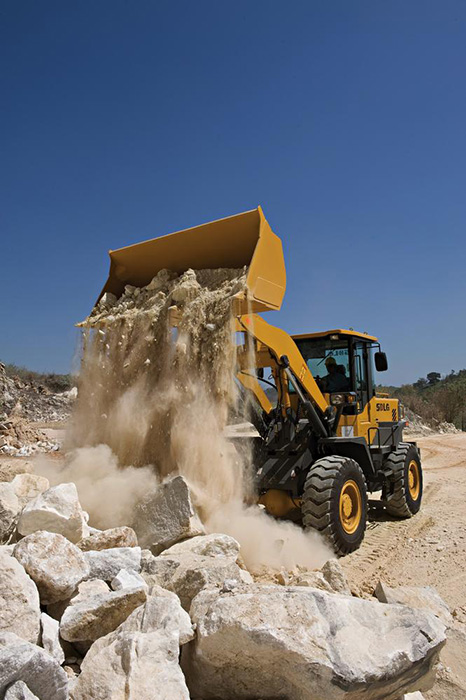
(19, 438)
(88, 614)
(23, 403)
(420, 426)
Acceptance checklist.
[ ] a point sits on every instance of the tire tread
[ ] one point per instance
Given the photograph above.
(398, 505)
(316, 506)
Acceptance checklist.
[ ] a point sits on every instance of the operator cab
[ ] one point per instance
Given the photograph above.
(342, 363)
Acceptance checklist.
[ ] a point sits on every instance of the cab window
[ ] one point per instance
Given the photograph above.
(328, 360)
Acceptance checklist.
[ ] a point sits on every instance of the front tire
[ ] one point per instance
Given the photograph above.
(334, 502)
(404, 485)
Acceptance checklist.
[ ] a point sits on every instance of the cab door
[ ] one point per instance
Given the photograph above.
(363, 388)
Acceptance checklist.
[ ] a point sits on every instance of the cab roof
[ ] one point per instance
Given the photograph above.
(339, 331)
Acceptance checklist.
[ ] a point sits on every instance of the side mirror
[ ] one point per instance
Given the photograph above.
(381, 363)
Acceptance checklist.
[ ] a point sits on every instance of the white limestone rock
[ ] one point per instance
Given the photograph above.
(312, 579)
(99, 614)
(51, 638)
(162, 611)
(19, 691)
(422, 598)
(333, 572)
(106, 563)
(22, 661)
(56, 510)
(85, 590)
(19, 600)
(140, 658)
(107, 539)
(29, 486)
(188, 567)
(55, 565)
(213, 545)
(127, 579)
(167, 516)
(9, 510)
(304, 644)
(7, 549)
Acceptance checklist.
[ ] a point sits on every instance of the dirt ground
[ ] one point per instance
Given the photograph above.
(426, 550)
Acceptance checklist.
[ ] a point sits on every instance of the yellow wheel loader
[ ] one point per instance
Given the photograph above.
(325, 436)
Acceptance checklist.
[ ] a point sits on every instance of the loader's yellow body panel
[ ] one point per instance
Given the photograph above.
(364, 424)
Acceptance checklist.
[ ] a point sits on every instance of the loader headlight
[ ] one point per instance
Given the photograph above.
(340, 399)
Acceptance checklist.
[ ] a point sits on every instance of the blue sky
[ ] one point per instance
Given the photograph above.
(345, 120)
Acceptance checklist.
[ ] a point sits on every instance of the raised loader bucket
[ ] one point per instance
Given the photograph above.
(244, 239)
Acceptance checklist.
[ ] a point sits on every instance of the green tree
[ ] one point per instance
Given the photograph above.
(433, 378)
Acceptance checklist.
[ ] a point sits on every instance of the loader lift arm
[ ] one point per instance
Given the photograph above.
(290, 367)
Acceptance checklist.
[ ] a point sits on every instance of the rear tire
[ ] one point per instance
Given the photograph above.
(404, 487)
(334, 502)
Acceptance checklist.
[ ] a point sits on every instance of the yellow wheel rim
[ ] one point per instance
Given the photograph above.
(350, 506)
(414, 481)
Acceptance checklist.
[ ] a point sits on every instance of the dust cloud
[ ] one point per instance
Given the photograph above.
(154, 400)
(108, 493)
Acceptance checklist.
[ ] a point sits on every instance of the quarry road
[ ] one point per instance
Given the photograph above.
(426, 550)
(430, 548)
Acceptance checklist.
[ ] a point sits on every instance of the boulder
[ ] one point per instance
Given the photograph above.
(162, 611)
(54, 564)
(127, 579)
(9, 469)
(311, 579)
(51, 638)
(23, 661)
(188, 567)
(29, 486)
(422, 598)
(140, 658)
(19, 691)
(167, 516)
(157, 570)
(304, 644)
(9, 510)
(106, 563)
(85, 590)
(333, 573)
(14, 495)
(20, 608)
(99, 614)
(7, 549)
(213, 545)
(56, 510)
(107, 539)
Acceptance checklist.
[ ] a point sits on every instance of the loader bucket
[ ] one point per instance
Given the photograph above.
(237, 241)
